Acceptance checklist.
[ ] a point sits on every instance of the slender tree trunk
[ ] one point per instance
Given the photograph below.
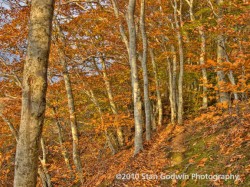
(203, 70)
(33, 93)
(153, 122)
(171, 92)
(73, 120)
(145, 71)
(61, 141)
(71, 107)
(181, 72)
(174, 83)
(114, 110)
(230, 74)
(223, 95)
(121, 28)
(134, 77)
(44, 167)
(91, 94)
(43, 173)
(202, 55)
(158, 93)
(11, 126)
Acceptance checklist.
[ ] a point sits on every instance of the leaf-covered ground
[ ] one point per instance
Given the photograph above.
(213, 143)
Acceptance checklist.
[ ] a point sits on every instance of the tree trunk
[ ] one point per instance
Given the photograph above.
(61, 141)
(158, 93)
(33, 93)
(181, 72)
(202, 55)
(223, 95)
(114, 110)
(171, 92)
(73, 120)
(107, 135)
(11, 126)
(134, 77)
(44, 167)
(203, 69)
(121, 28)
(145, 71)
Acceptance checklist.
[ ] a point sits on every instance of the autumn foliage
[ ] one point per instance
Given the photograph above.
(87, 36)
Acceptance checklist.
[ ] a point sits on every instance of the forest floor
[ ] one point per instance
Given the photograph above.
(214, 143)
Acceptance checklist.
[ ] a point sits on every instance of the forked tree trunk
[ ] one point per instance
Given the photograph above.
(147, 104)
(134, 78)
(33, 93)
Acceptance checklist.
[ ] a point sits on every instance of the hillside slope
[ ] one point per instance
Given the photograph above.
(205, 150)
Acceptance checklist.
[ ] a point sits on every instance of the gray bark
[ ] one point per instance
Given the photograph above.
(61, 141)
(71, 107)
(33, 93)
(73, 120)
(114, 110)
(145, 71)
(11, 126)
(181, 72)
(202, 55)
(134, 77)
(46, 178)
(203, 70)
(223, 95)
(121, 28)
(158, 93)
(91, 94)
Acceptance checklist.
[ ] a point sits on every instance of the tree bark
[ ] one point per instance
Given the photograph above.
(61, 141)
(114, 110)
(73, 120)
(11, 126)
(203, 69)
(181, 72)
(44, 167)
(71, 107)
(134, 77)
(158, 93)
(147, 104)
(33, 93)
(121, 28)
(202, 55)
(91, 94)
(223, 95)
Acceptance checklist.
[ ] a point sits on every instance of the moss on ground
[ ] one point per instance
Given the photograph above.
(203, 156)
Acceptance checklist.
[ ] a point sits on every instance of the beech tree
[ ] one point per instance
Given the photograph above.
(34, 88)
(134, 77)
